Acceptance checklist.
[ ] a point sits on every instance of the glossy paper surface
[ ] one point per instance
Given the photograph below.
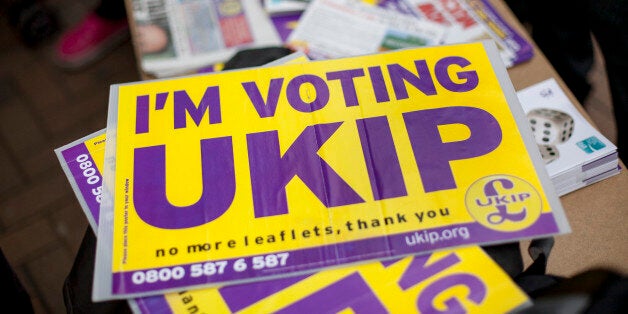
(413, 284)
(277, 171)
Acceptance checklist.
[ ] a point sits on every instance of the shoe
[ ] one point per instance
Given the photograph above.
(88, 41)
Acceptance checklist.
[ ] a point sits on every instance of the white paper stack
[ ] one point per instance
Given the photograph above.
(575, 152)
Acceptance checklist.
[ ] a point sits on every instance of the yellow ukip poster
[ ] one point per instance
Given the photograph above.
(271, 172)
(462, 279)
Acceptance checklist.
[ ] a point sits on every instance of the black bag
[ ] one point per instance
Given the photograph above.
(589, 292)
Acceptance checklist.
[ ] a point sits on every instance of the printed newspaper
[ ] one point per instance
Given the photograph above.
(337, 29)
(473, 20)
(342, 28)
(178, 37)
(413, 284)
(273, 172)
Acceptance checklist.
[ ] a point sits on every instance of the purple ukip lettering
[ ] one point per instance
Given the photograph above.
(149, 187)
(183, 104)
(266, 108)
(477, 293)
(420, 77)
(241, 296)
(423, 81)
(470, 78)
(418, 270)
(346, 82)
(271, 172)
(381, 158)
(141, 114)
(352, 292)
(433, 156)
(319, 101)
(142, 110)
(379, 85)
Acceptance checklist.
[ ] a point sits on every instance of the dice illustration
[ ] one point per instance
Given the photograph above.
(549, 153)
(550, 127)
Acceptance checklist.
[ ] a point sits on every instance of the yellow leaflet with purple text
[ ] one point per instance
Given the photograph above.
(278, 171)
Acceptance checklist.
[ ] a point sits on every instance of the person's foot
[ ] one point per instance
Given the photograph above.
(89, 40)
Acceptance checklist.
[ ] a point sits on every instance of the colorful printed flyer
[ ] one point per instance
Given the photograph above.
(441, 282)
(416, 284)
(265, 173)
(82, 162)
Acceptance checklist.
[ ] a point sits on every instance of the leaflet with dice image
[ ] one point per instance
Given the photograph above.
(576, 153)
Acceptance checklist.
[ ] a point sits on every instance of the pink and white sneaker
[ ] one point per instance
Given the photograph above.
(89, 40)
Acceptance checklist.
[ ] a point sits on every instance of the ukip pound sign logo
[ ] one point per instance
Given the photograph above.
(503, 203)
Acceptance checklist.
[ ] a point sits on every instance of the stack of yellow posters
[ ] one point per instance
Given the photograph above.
(448, 280)
(247, 176)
